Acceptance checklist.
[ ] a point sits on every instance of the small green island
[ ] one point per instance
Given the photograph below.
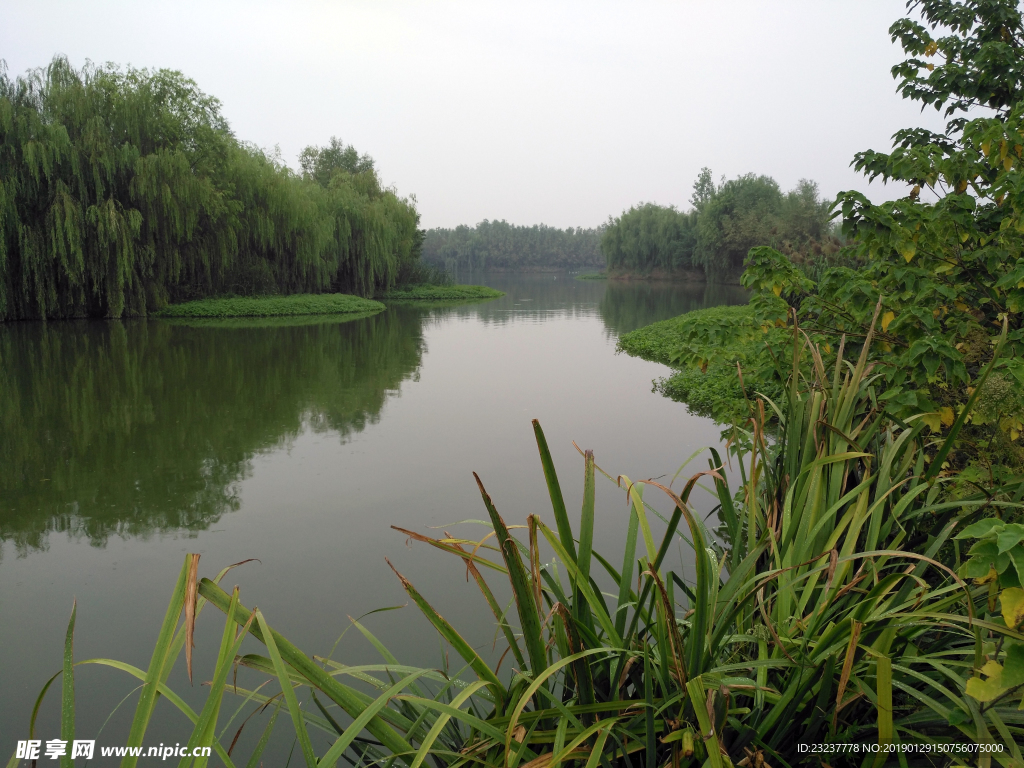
(273, 306)
(442, 293)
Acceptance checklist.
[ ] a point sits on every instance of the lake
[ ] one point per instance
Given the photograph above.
(126, 445)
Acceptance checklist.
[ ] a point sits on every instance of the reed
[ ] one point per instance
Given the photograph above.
(833, 612)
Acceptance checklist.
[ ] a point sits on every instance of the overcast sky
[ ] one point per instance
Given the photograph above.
(553, 112)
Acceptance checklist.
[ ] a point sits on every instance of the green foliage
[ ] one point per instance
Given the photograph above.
(272, 306)
(945, 263)
(432, 293)
(822, 612)
(503, 246)
(710, 347)
(997, 559)
(649, 237)
(321, 163)
(593, 276)
(124, 189)
(726, 221)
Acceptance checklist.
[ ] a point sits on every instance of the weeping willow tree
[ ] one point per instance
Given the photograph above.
(124, 189)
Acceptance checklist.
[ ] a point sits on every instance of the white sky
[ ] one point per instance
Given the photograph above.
(553, 112)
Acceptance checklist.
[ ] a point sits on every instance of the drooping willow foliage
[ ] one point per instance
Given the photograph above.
(725, 222)
(124, 189)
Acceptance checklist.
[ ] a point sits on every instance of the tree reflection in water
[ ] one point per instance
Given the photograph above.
(140, 427)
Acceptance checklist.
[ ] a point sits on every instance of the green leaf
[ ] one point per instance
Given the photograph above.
(67, 706)
(1010, 536)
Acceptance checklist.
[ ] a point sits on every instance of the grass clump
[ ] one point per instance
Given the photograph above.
(593, 276)
(273, 306)
(437, 293)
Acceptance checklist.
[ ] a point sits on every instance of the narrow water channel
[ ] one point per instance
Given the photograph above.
(125, 445)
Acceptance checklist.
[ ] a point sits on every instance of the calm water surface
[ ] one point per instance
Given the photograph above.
(125, 445)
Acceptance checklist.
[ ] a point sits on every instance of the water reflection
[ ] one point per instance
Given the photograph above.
(131, 428)
(628, 305)
(623, 305)
(134, 428)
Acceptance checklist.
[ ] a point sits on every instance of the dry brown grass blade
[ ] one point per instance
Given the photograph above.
(191, 595)
(844, 678)
(771, 628)
(675, 642)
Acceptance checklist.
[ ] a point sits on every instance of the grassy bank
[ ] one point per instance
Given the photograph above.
(273, 306)
(705, 346)
(439, 293)
(272, 321)
(593, 276)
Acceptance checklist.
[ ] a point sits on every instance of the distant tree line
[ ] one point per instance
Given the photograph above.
(124, 189)
(726, 220)
(500, 245)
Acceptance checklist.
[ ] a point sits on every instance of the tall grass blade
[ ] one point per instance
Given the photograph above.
(453, 638)
(883, 692)
(344, 741)
(67, 698)
(555, 492)
(529, 620)
(191, 595)
(257, 753)
(155, 672)
(289, 692)
(346, 698)
(206, 725)
(695, 688)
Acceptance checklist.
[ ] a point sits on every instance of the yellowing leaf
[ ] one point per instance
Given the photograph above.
(946, 416)
(986, 147)
(887, 318)
(777, 289)
(932, 420)
(1013, 606)
(984, 690)
(908, 252)
(990, 669)
(1007, 163)
(987, 578)
(961, 306)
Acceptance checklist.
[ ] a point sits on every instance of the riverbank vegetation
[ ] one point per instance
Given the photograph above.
(724, 222)
(123, 190)
(436, 293)
(273, 306)
(708, 348)
(503, 246)
(943, 265)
